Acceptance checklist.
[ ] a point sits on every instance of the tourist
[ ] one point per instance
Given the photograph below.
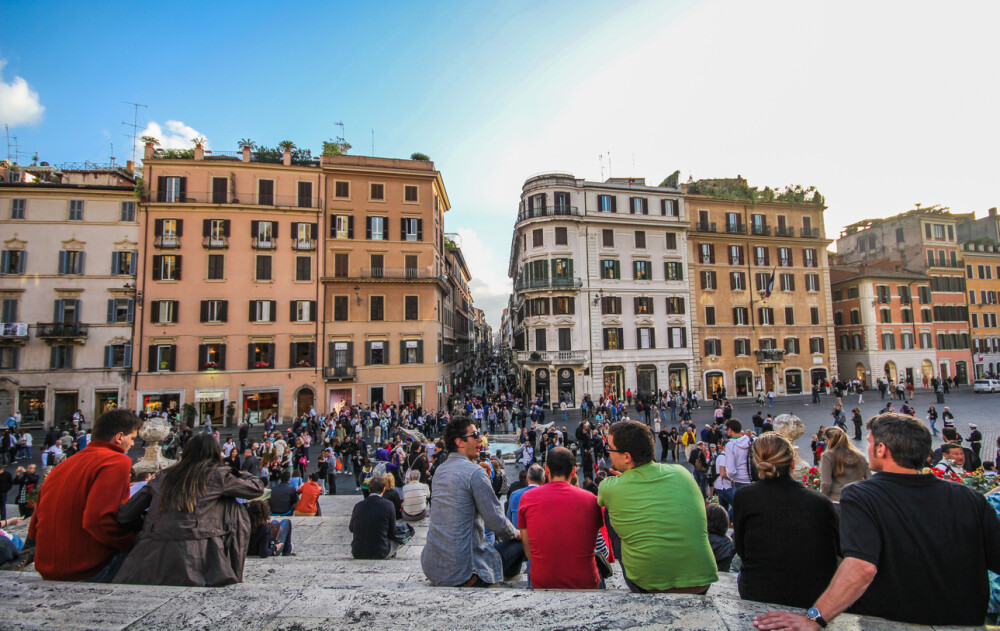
(390, 493)
(786, 535)
(916, 548)
(952, 459)
(656, 511)
(283, 496)
(267, 538)
(722, 486)
(194, 533)
(535, 477)
(699, 466)
(74, 528)
(415, 497)
(561, 557)
(308, 504)
(27, 481)
(723, 547)
(840, 464)
(6, 484)
(373, 524)
(737, 467)
(463, 503)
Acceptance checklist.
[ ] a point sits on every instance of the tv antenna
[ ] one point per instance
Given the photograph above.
(373, 143)
(341, 124)
(600, 159)
(134, 124)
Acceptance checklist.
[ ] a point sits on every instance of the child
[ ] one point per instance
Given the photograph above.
(718, 536)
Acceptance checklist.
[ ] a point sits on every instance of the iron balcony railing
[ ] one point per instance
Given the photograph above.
(56, 330)
(547, 283)
(704, 226)
(736, 228)
(770, 354)
(246, 198)
(784, 232)
(810, 233)
(546, 357)
(396, 272)
(338, 373)
(760, 231)
(263, 244)
(215, 243)
(549, 211)
(167, 242)
(304, 245)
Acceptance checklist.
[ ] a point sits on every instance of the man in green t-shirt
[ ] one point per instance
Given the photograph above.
(658, 513)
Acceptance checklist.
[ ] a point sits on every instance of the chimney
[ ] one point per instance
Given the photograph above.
(993, 212)
(286, 157)
(130, 166)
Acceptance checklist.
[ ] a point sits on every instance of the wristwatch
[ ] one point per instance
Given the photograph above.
(814, 615)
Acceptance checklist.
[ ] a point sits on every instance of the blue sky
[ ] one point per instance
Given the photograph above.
(880, 105)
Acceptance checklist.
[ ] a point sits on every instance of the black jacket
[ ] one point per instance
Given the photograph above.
(373, 523)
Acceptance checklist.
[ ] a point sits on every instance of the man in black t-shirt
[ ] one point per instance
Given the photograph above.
(916, 548)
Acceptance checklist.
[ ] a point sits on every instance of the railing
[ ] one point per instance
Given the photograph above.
(809, 233)
(547, 283)
(304, 245)
(166, 242)
(770, 354)
(331, 373)
(246, 198)
(956, 264)
(223, 155)
(396, 272)
(736, 228)
(545, 357)
(761, 231)
(549, 211)
(784, 232)
(215, 243)
(54, 330)
(263, 244)
(704, 226)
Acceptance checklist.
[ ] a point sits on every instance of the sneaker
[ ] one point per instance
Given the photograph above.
(357, 488)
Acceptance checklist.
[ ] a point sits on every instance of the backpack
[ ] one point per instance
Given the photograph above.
(751, 466)
(713, 473)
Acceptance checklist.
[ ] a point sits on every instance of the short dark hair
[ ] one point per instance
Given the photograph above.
(560, 462)
(718, 519)
(522, 475)
(314, 477)
(376, 484)
(454, 430)
(734, 425)
(111, 422)
(285, 476)
(908, 441)
(949, 447)
(635, 439)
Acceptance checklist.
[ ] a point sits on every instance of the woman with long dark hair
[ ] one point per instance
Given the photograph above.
(194, 533)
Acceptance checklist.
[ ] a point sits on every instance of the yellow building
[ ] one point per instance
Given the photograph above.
(982, 279)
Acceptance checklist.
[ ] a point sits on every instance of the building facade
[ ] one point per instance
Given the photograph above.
(601, 299)
(760, 276)
(67, 284)
(982, 277)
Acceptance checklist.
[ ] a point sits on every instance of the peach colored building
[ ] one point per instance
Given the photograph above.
(229, 303)
(384, 282)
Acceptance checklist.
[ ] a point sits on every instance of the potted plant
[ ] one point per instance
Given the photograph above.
(230, 412)
(188, 413)
(246, 143)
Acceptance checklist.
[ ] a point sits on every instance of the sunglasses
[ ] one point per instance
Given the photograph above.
(615, 451)
(472, 435)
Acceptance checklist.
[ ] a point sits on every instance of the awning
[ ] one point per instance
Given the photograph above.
(209, 395)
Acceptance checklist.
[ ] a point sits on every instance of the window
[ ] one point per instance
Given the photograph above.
(741, 346)
(260, 356)
(640, 239)
(844, 342)
(17, 208)
(809, 257)
(815, 345)
(613, 339)
(975, 320)
(907, 316)
(930, 259)
(792, 346)
(939, 232)
(852, 292)
(675, 305)
(674, 270)
(410, 193)
(741, 315)
(563, 305)
(211, 357)
(67, 310)
(709, 315)
(410, 308)
(340, 264)
(340, 313)
(76, 210)
(737, 281)
(671, 240)
(377, 229)
(61, 357)
(904, 295)
(906, 340)
(342, 190)
(642, 270)
(263, 310)
(608, 238)
(736, 255)
(377, 191)
(669, 208)
(118, 356)
(214, 311)
(708, 280)
(607, 204)
(812, 282)
(537, 238)
(885, 316)
(263, 269)
(706, 253)
(642, 305)
(341, 227)
(761, 280)
(561, 236)
(888, 341)
(163, 312)
(785, 257)
(71, 262)
(677, 337)
(789, 315)
(734, 224)
(838, 318)
(787, 282)
(376, 308)
(838, 295)
(762, 255)
(303, 310)
(265, 192)
(216, 267)
(857, 342)
(562, 269)
(127, 211)
(264, 234)
(924, 293)
(123, 263)
(9, 312)
(638, 205)
(538, 306)
(611, 305)
(814, 315)
(610, 269)
(120, 310)
(926, 316)
(167, 267)
(765, 315)
(13, 261)
(645, 338)
(303, 268)
(411, 229)
(883, 294)
(855, 316)
(565, 339)
(540, 339)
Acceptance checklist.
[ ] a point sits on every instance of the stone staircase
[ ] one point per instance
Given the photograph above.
(323, 588)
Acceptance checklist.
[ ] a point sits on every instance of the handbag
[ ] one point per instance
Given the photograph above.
(604, 567)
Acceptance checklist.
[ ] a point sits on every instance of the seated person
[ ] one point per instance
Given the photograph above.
(373, 523)
(415, 496)
(283, 496)
(718, 536)
(268, 538)
(392, 494)
(308, 505)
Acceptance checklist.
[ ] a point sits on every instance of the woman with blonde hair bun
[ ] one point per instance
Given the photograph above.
(841, 464)
(787, 536)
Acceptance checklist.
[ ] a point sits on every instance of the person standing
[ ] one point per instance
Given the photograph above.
(737, 467)
(975, 441)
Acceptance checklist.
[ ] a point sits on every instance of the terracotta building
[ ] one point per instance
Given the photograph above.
(982, 277)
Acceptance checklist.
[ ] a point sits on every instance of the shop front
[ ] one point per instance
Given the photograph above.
(542, 384)
(162, 401)
(793, 381)
(566, 382)
(338, 399)
(31, 403)
(677, 375)
(258, 404)
(413, 395)
(645, 379)
(211, 403)
(614, 382)
(104, 400)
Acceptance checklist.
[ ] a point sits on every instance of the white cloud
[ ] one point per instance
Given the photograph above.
(173, 134)
(490, 285)
(19, 104)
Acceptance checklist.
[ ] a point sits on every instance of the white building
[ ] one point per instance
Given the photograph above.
(601, 294)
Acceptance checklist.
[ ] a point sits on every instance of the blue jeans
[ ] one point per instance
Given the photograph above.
(512, 553)
(284, 536)
(933, 426)
(702, 479)
(107, 573)
(725, 497)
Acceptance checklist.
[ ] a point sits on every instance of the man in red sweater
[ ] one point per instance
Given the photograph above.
(74, 527)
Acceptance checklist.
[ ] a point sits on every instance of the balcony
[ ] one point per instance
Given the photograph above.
(547, 283)
(303, 245)
(215, 243)
(735, 228)
(784, 232)
(552, 357)
(396, 273)
(770, 355)
(704, 226)
(339, 373)
(263, 244)
(810, 233)
(62, 332)
(760, 231)
(548, 211)
(13, 333)
(286, 201)
(168, 242)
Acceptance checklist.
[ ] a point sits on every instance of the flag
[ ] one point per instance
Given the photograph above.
(770, 283)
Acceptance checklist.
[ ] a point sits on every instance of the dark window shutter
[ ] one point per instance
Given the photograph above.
(702, 278)
(312, 311)
(204, 311)
(250, 348)
(711, 252)
(180, 222)
(157, 260)
(350, 227)
(253, 310)
(295, 230)
(131, 310)
(184, 186)
(368, 228)
(176, 308)
(402, 228)
(158, 227)
(614, 203)
(177, 268)
(108, 353)
(274, 311)
(152, 358)
(314, 230)
(291, 355)
(350, 353)
(402, 351)
(652, 337)
(206, 227)
(224, 311)
(385, 229)
(222, 357)
(111, 310)
(312, 354)
(420, 229)
(420, 352)
(154, 311)
(202, 356)
(385, 351)
(368, 353)
(114, 263)
(254, 225)
(63, 261)
(274, 230)
(132, 265)
(291, 310)
(663, 207)
(161, 190)
(225, 228)
(645, 206)
(333, 226)
(331, 351)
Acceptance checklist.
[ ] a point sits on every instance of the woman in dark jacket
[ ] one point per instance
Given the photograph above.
(195, 533)
(787, 536)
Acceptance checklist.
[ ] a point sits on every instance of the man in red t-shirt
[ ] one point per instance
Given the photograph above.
(74, 527)
(559, 523)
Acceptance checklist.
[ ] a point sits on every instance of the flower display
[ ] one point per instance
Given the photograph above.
(811, 479)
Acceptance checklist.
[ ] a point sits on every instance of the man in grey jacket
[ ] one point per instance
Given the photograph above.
(457, 552)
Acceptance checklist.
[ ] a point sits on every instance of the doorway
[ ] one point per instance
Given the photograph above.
(104, 400)
(542, 384)
(304, 401)
(413, 395)
(646, 379)
(961, 373)
(65, 405)
(890, 371)
(769, 379)
(793, 382)
(376, 395)
(714, 382)
(614, 382)
(567, 386)
(744, 383)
